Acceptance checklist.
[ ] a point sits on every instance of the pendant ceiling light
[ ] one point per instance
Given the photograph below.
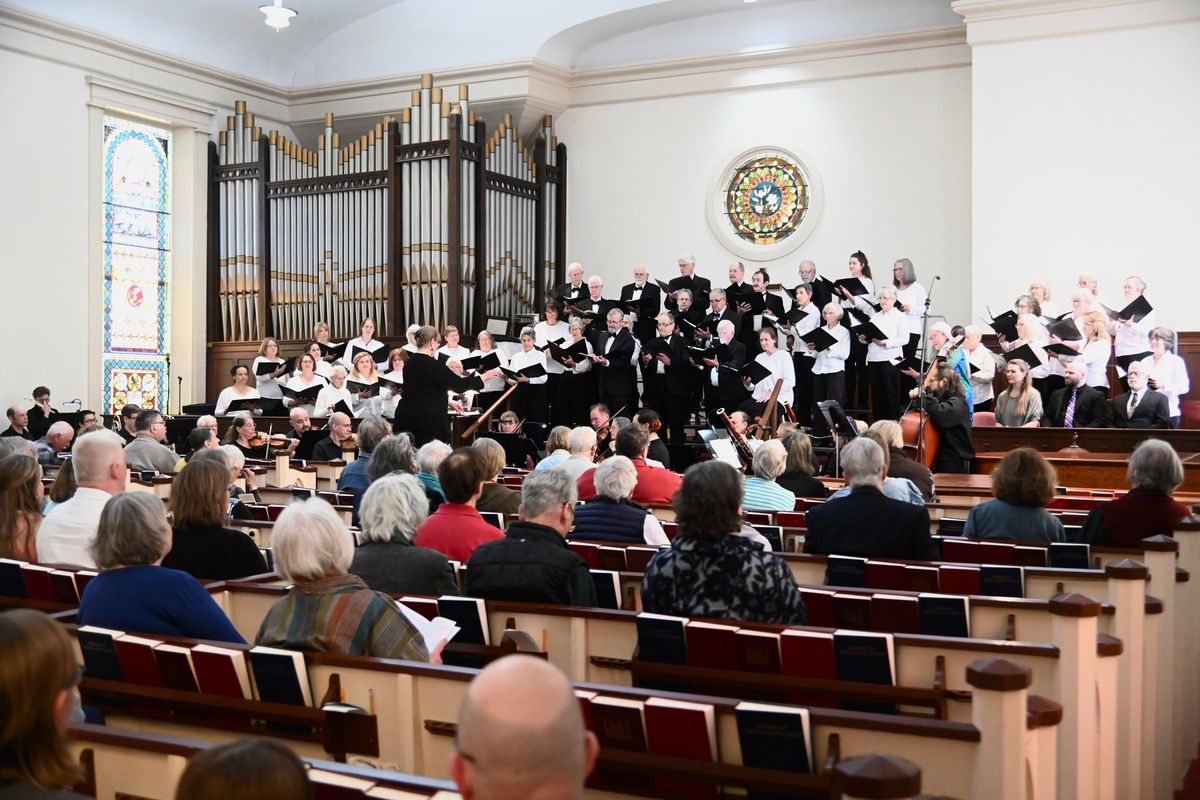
(277, 15)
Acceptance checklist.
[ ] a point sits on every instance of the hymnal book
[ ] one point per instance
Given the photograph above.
(38, 585)
(1066, 330)
(444, 357)
(1070, 555)
(532, 371)
(280, 676)
(886, 575)
(638, 558)
(1059, 349)
(864, 657)
(222, 671)
(585, 697)
(657, 346)
(681, 729)
(774, 737)
(588, 551)
(895, 613)
(381, 349)
(613, 558)
(954, 579)
(470, 614)
(758, 651)
(852, 611)
(99, 649)
(425, 606)
(138, 663)
(808, 654)
(711, 645)
(752, 303)
(608, 588)
(819, 605)
(618, 723)
(859, 314)
(395, 384)
(341, 407)
(356, 388)
(63, 583)
(666, 287)
(304, 396)
(12, 581)
(913, 363)
(921, 579)
(944, 615)
(175, 667)
(642, 305)
(869, 331)
(772, 533)
(269, 367)
(1005, 324)
(335, 786)
(433, 631)
(1002, 581)
(1026, 354)
(1124, 361)
(334, 350)
(755, 371)
(849, 571)
(820, 338)
(661, 639)
(1134, 312)
(795, 315)
(244, 404)
(854, 286)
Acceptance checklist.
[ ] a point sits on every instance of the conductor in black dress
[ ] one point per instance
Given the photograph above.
(422, 410)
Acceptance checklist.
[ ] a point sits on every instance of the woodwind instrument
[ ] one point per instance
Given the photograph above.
(767, 423)
(739, 441)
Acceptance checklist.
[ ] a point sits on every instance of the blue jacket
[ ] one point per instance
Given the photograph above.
(604, 519)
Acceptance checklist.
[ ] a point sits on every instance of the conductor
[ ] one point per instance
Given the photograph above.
(422, 410)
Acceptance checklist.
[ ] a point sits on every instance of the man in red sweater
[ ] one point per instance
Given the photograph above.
(456, 528)
(655, 486)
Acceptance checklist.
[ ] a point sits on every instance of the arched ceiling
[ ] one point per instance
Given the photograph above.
(340, 41)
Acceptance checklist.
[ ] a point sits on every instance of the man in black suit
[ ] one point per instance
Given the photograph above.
(648, 297)
(737, 282)
(1140, 407)
(688, 309)
(593, 308)
(1086, 405)
(723, 387)
(613, 362)
(822, 293)
(575, 288)
(752, 319)
(866, 523)
(688, 279)
(668, 376)
(720, 310)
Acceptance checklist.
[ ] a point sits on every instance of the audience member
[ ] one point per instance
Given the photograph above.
(147, 451)
(251, 768)
(327, 609)
(210, 422)
(656, 486)
(201, 544)
(354, 477)
(557, 447)
(582, 445)
(63, 488)
(18, 424)
(896, 488)
(387, 559)
(198, 439)
(711, 571)
(133, 592)
(67, 532)
(495, 497)
(57, 439)
(761, 491)
(866, 522)
(798, 476)
(39, 677)
(235, 459)
(129, 415)
(1140, 407)
(532, 562)
(456, 528)
(1148, 508)
(429, 457)
(396, 454)
(521, 735)
(16, 446)
(20, 507)
(1076, 405)
(899, 464)
(1023, 484)
(611, 515)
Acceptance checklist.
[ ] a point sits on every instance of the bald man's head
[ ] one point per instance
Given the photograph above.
(521, 735)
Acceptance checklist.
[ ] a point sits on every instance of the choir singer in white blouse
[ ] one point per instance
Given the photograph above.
(780, 364)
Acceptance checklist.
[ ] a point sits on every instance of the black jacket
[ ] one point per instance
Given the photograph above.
(326, 450)
(648, 308)
(422, 410)
(1091, 410)
(618, 376)
(1152, 411)
(564, 292)
(531, 564)
(400, 567)
(217, 554)
(901, 466)
(951, 417)
(730, 388)
(699, 287)
(868, 524)
(802, 485)
(678, 376)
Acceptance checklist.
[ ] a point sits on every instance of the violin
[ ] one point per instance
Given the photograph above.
(268, 439)
(603, 433)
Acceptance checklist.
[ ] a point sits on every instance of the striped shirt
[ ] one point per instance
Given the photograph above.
(341, 615)
(762, 495)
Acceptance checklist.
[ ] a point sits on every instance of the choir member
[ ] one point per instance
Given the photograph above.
(670, 378)
(422, 410)
(881, 353)
(737, 284)
(1040, 292)
(1166, 372)
(574, 289)
(822, 293)
(615, 349)
(459, 402)
(306, 377)
(1131, 339)
(494, 387)
(410, 345)
(857, 382)
(389, 397)
(240, 390)
(687, 309)
(1032, 332)
(366, 397)
(321, 335)
(910, 299)
(829, 365)
(365, 340)
(577, 385)
(452, 348)
(688, 279)
(1088, 281)
(979, 357)
(1097, 350)
(780, 364)
(553, 329)
(529, 400)
(268, 384)
(322, 368)
(1020, 405)
(1027, 305)
(336, 392)
(648, 297)
(802, 357)
(943, 399)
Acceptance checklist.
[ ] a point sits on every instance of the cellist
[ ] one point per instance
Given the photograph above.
(942, 398)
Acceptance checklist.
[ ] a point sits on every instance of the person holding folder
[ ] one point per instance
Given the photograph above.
(335, 396)
(802, 357)
(529, 400)
(886, 343)
(268, 368)
(830, 345)
(850, 292)
(240, 390)
(305, 379)
(1130, 328)
(778, 364)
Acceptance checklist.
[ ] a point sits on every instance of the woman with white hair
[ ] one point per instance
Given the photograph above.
(386, 558)
(762, 493)
(611, 515)
(133, 593)
(881, 353)
(829, 366)
(1147, 509)
(327, 609)
(910, 299)
(1165, 371)
(335, 392)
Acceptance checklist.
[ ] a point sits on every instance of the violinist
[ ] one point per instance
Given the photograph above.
(340, 438)
(600, 418)
(943, 399)
(243, 434)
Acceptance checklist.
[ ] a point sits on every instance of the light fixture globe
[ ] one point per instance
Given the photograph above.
(277, 16)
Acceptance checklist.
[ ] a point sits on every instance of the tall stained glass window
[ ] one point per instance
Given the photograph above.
(137, 262)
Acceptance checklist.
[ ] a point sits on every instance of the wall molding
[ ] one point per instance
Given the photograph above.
(143, 100)
(999, 21)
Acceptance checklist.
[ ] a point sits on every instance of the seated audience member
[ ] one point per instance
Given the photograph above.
(1076, 405)
(762, 493)
(18, 424)
(20, 507)
(521, 735)
(129, 414)
(1148, 508)
(711, 571)
(896, 488)
(201, 544)
(16, 446)
(582, 445)
(58, 438)
(798, 477)
(133, 593)
(899, 464)
(1140, 407)
(327, 609)
(429, 457)
(63, 488)
(495, 497)
(1020, 405)
(611, 515)
(340, 436)
(456, 528)
(396, 454)
(67, 532)
(656, 486)
(198, 439)
(1023, 484)
(40, 412)
(147, 451)
(657, 450)
(387, 559)
(354, 477)
(252, 768)
(235, 459)
(210, 422)
(557, 447)
(866, 522)
(39, 677)
(532, 563)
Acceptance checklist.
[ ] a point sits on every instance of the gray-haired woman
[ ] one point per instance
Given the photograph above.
(611, 515)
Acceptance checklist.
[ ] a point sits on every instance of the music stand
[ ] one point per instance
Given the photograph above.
(841, 427)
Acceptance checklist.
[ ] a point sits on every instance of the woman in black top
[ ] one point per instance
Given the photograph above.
(648, 418)
(422, 410)
(943, 400)
(201, 545)
(797, 477)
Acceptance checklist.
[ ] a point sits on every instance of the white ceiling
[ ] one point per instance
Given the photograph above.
(338, 41)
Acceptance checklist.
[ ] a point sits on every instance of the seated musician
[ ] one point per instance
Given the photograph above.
(798, 474)
(240, 390)
(611, 515)
(252, 767)
(943, 399)
(1148, 508)
(521, 451)
(656, 486)
(520, 735)
(299, 423)
(532, 562)
(455, 529)
(41, 411)
(391, 513)
(866, 523)
(1023, 484)
(762, 493)
(710, 570)
(129, 414)
(340, 437)
(241, 434)
(327, 609)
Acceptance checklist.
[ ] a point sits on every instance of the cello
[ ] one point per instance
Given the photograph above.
(919, 436)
